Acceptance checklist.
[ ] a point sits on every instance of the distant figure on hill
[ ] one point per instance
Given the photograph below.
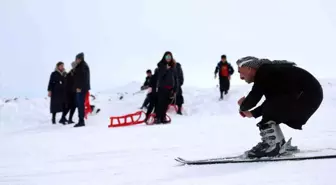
(292, 95)
(225, 71)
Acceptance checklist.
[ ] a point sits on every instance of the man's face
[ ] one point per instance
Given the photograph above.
(223, 60)
(247, 74)
(61, 67)
(149, 74)
(78, 60)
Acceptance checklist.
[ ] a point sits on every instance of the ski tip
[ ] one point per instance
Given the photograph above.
(180, 160)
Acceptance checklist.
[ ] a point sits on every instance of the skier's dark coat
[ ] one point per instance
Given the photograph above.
(82, 77)
(57, 87)
(292, 94)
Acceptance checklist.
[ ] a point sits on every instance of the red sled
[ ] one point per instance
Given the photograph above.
(133, 119)
(136, 118)
(127, 120)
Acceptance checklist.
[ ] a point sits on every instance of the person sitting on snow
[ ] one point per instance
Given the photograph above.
(152, 95)
(146, 86)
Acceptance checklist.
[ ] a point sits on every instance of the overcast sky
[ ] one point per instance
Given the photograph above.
(121, 39)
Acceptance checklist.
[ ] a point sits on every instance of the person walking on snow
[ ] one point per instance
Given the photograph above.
(225, 71)
(167, 86)
(82, 86)
(292, 96)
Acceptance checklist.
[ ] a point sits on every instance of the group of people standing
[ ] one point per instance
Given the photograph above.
(67, 90)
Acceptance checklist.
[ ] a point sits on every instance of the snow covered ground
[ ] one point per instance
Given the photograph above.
(35, 152)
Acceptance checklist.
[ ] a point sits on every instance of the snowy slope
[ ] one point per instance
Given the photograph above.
(35, 152)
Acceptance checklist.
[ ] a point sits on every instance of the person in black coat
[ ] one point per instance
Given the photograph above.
(225, 71)
(152, 95)
(292, 96)
(56, 91)
(70, 95)
(145, 86)
(167, 86)
(82, 86)
(179, 95)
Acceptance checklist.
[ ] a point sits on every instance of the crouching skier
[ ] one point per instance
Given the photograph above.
(292, 96)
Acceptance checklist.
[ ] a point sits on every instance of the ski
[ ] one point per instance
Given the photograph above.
(246, 160)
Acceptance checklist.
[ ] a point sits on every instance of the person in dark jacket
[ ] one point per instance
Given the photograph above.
(179, 95)
(82, 86)
(167, 86)
(146, 86)
(56, 91)
(70, 96)
(225, 71)
(292, 95)
(152, 95)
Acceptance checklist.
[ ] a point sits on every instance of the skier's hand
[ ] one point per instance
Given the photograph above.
(49, 93)
(149, 90)
(78, 90)
(240, 101)
(247, 114)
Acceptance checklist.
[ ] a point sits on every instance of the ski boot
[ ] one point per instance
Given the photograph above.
(272, 141)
